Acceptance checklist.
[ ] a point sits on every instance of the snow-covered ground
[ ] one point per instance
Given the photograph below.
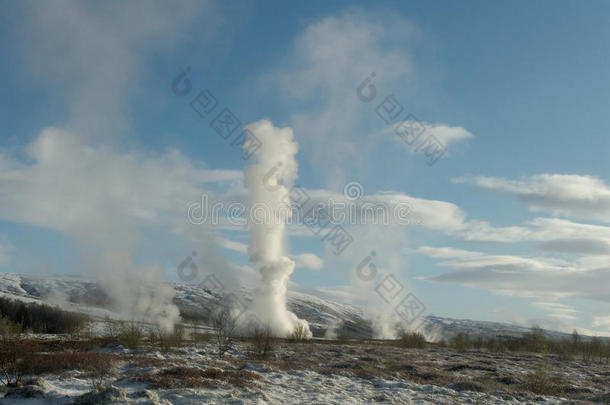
(351, 372)
(293, 375)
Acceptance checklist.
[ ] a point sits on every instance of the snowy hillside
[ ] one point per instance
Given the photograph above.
(82, 295)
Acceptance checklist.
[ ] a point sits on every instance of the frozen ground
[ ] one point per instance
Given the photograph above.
(313, 373)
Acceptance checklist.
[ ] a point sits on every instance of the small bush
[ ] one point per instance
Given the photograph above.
(299, 333)
(263, 342)
(225, 323)
(461, 342)
(535, 341)
(167, 340)
(542, 383)
(413, 340)
(14, 355)
(19, 357)
(495, 345)
(131, 335)
(92, 362)
(9, 329)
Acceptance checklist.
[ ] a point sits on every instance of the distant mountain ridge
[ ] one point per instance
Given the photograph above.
(79, 294)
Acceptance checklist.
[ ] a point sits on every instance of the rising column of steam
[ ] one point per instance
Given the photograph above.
(269, 179)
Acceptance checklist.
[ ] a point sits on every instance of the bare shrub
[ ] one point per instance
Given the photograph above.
(541, 382)
(112, 328)
(131, 335)
(575, 340)
(196, 335)
(14, 350)
(563, 349)
(167, 340)
(92, 362)
(461, 342)
(535, 341)
(11, 362)
(9, 329)
(97, 365)
(413, 340)
(98, 368)
(224, 323)
(495, 345)
(597, 349)
(299, 333)
(263, 341)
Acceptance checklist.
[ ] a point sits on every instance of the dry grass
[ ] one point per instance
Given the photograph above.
(131, 335)
(514, 375)
(192, 377)
(23, 357)
(166, 341)
(413, 340)
(541, 382)
(40, 363)
(263, 342)
(15, 354)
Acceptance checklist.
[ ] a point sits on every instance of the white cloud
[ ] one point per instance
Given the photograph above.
(308, 261)
(69, 186)
(400, 208)
(524, 276)
(557, 310)
(232, 245)
(447, 252)
(576, 196)
(602, 321)
(557, 235)
(320, 73)
(446, 134)
(383, 208)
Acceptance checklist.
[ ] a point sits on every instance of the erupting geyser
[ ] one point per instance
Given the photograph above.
(269, 180)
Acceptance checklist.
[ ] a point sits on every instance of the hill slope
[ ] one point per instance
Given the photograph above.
(87, 296)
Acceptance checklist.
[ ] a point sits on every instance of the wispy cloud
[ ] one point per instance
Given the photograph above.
(445, 134)
(556, 234)
(320, 73)
(575, 196)
(523, 276)
(557, 310)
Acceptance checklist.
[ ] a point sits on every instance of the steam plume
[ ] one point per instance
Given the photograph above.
(269, 180)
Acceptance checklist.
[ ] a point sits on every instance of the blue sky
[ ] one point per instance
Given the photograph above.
(98, 155)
